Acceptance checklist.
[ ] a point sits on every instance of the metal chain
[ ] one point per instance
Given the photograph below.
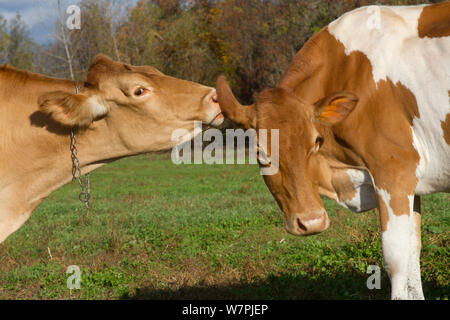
(85, 186)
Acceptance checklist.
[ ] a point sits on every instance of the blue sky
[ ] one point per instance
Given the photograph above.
(39, 15)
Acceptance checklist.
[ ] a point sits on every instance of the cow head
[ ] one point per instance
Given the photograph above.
(295, 186)
(139, 103)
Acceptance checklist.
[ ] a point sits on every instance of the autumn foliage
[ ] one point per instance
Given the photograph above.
(250, 41)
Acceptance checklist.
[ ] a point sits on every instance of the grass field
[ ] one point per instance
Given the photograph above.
(161, 231)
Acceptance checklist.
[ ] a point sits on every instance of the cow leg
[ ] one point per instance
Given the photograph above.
(13, 215)
(414, 280)
(397, 224)
(10, 222)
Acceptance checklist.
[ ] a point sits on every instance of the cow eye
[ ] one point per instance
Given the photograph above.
(140, 91)
(318, 143)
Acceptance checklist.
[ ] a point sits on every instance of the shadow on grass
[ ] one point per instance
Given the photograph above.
(286, 287)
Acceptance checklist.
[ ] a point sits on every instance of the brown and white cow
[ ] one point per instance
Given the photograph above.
(120, 110)
(363, 114)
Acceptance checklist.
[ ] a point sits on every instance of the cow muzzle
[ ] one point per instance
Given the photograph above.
(215, 116)
(306, 224)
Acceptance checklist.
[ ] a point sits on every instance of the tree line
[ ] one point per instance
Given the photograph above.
(250, 41)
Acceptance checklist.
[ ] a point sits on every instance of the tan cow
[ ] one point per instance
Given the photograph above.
(364, 118)
(120, 110)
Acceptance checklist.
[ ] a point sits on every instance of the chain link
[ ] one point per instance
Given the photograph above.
(85, 186)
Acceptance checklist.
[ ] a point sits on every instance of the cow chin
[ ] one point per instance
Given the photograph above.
(307, 224)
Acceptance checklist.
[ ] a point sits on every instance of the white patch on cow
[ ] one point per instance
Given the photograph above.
(401, 251)
(97, 106)
(396, 52)
(365, 197)
(396, 245)
(312, 222)
(414, 279)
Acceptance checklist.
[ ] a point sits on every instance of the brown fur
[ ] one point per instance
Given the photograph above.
(434, 21)
(446, 129)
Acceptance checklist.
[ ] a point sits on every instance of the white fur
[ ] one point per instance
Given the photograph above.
(399, 249)
(365, 198)
(396, 52)
(414, 278)
(97, 106)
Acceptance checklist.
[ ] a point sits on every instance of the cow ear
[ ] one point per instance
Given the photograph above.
(231, 108)
(335, 107)
(72, 110)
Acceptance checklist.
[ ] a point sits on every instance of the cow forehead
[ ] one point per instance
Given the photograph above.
(279, 108)
(126, 80)
(146, 69)
(103, 68)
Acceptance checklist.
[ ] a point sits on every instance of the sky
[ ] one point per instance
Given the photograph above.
(39, 15)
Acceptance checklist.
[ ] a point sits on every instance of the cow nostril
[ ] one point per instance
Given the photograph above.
(301, 225)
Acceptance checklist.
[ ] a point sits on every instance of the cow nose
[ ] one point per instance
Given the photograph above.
(307, 224)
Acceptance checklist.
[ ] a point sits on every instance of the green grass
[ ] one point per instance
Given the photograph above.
(161, 231)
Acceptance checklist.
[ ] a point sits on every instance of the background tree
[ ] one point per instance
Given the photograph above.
(4, 40)
(250, 41)
(16, 46)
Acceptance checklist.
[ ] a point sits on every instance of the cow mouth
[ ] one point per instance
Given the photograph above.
(213, 102)
(217, 120)
(218, 116)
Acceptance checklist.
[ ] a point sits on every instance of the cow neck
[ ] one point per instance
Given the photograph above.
(337, 151)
